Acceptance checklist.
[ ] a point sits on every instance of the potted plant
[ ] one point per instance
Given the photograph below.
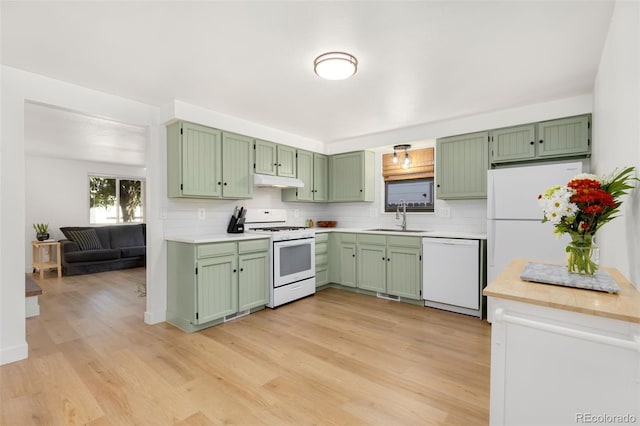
(42, 231)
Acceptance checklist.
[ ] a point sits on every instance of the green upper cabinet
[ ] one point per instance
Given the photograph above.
(461, 166)
(351, 176)
(312, 170)
(193, 160)
(237, 170)
(320, 177)
(513, 144)
(564, 137)
(266, 157)
(207, 163)
(274, 159)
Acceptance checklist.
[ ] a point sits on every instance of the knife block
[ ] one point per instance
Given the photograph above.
(236, 226)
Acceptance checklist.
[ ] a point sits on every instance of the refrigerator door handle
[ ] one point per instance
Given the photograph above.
(491, 249)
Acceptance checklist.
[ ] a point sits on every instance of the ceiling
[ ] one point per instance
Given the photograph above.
(420, 61)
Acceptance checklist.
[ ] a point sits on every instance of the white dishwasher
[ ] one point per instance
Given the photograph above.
(451, 274)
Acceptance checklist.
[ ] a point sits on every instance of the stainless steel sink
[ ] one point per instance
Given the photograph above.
(395, 230)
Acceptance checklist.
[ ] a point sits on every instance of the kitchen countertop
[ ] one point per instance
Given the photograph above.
(438, 234)
(623, 306)
(214, 238)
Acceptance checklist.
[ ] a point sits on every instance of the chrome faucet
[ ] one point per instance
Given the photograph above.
(404, 214)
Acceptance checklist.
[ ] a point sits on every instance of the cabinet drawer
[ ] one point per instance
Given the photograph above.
(380, 240)
(321, 248)
(253, 245)
(415, 242)
(322, 236)
(216, 249)
(347, 238)
(322, 276)
(322, 259)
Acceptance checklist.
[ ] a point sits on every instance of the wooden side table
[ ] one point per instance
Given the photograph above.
(39, 264)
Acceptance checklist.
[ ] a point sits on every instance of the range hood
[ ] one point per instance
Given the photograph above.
(276, 181)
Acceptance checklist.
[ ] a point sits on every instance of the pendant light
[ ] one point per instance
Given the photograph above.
(407, 160)
(335, 65)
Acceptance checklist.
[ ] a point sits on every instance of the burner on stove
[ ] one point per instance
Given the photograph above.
(280, 228)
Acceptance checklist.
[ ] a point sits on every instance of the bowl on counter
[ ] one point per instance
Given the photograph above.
(327, 223)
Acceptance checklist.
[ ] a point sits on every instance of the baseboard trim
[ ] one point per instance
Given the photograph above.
(151, 319)
(14, 353)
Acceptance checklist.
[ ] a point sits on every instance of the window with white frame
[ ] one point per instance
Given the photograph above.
(115, 200)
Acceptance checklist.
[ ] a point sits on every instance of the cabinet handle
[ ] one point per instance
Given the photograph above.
(275, 164)
(540, 141)
(383, 259)
(531, 143)
(279, 165)
(241, 269)
(234, 271)
(361, 190)
(219, 183)
(225, 184)
(353, 255)
(438, 186)
(388, 259)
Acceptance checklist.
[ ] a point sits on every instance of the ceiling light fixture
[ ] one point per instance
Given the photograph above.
(407, 159)
(335, 65)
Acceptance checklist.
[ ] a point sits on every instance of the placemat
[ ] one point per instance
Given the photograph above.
(558, 275)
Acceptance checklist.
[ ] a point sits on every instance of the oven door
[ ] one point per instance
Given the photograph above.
(293, 261)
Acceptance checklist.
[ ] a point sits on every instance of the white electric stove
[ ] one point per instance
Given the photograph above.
(293, 254)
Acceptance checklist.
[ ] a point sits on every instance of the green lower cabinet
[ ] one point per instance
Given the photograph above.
(217, 294)
(207, 282)
(322, 259)
(253, 280)
(404, 272)
(347, 268)
(371, 267)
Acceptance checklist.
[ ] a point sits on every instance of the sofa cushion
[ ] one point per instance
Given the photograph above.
(126, 236)
(86, 240)
(102, 231)
(92, 255)
(133, 251)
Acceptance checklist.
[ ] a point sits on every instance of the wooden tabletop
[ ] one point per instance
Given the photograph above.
(623, 306)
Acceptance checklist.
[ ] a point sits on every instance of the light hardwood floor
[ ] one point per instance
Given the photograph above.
(334, 358)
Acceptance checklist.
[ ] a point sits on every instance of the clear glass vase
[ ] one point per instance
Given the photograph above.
(583, 255)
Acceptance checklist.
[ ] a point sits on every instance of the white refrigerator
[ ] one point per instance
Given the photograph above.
(515, 228)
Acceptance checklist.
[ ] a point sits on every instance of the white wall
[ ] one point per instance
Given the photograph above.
(57, 193)
(617, 134)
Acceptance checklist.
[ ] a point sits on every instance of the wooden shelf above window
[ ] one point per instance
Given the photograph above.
(421, 166)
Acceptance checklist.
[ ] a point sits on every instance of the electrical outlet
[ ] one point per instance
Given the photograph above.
(202, 214)
(444, 212)
(296, 213)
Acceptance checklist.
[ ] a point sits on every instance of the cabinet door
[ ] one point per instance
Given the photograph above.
(564, 137)
(201, 161)
(347, 177)
(404, 272)
(461, 166)
(513, 144)
(217, 288)
(305, 174)
(320, 177)
(253, 280)
(286, 161)
(347, 262)
(371, 267)
(237, 166)
(265, 159)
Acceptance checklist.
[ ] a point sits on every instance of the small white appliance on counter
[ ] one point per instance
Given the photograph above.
(452, 275)
(514, 228)
(293, 255)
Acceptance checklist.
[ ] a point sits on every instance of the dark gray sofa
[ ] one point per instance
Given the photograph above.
(116, 247)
